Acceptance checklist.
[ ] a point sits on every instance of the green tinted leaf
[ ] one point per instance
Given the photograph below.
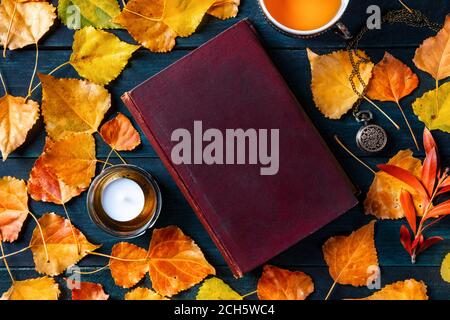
(76, 14)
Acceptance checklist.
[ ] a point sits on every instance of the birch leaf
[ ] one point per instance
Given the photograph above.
(76, 14)
(402, 290)
(44, 288)
(143, 294)
(99, 56)
(120, 134)
(86, 290)
(224, 9)
(13, 207)
(216, 289)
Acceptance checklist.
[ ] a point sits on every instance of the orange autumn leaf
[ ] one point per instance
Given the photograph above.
(351, 259)
(63, 250)
(44, 185)
(13, 207)
(391, 80)
(224, 9)
(17, 117)
(280, 284)
(72, 159)
(126, 273)
(176, 262)
(383, 198)
(143, 294)
(86, 290)
(402, 290)
(43, 288)
(143, 20)
(120, 134)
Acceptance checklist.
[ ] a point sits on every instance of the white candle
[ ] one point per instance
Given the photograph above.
(123, 199)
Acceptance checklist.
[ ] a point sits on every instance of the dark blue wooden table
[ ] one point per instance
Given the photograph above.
(290, 56)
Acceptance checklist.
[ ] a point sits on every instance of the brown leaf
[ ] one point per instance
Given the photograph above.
(402, 290)
(43, 288)
(127, 274)
(17, 117)
(143, 294)
(225, 9)
(120, 134)
(280, 284)
(176, 262)
(72, 159)
(86, 290)
(13, 207)
(383, 198)
(351, 258)
(61, 245)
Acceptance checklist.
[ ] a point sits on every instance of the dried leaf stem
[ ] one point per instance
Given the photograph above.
(2, 80)
(342, 145)
(42, 234)
(406, 7)
(436, 107)
(6, 262)
(5, 44)
(107, 158)
(50, 73)
(93, 271)
(409, 126)
(34, 72)
(116, 258)
(249, 294)
(14, 253)
(120, 157)
(72, 228)
(382, 112)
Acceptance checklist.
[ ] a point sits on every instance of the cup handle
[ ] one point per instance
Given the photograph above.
(341, 30)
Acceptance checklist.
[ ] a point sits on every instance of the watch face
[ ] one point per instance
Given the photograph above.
(371, 138)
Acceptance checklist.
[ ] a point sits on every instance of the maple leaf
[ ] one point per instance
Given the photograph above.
(44, 185)
(63, 250)
(43, 288)
(76, 14)
(216, 289)
(126, 274)
(402, 290)
(99, 56)
(433, 108)
(86, 290)
(176, 262)
(330, 84)
(72, 159)
(351, 258)
(433, 56)
(17, 117)
(13, 208)
(71, 105)
(281, 284)
(120, 134)
(143, 20)
(30, 21)
(184, 16)
(143, 294)
(224, 9)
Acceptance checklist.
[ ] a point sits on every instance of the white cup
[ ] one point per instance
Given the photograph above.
(333, 23)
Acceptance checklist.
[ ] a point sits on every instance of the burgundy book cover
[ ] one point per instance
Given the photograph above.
(230, 83)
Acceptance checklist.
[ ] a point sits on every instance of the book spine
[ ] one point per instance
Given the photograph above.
(129, 102)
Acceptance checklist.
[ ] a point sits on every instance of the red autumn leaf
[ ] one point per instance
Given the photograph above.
(86, 290)
(429, 171)
(406, 177)
(428, 243)
(408, 209)
(443, 190)
(428, 141)
(120, 134)
(439, 210)
(405, 239)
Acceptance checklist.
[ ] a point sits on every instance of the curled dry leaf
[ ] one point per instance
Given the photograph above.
(383, 198)
(99, 56)
(17, 117)
(216, 289)
(353, 259)
(433, 56)
(31, 21)
(13, 208)
(281, 284)
(176, 262)
(76, 14)
(330, 84)
(61, 245)
(44, 185)
(72, 106)
(126, 274)
(143, 20)
(402, 290)
(43, 288)
(72, 159)
(143, 294)
(224, 9)
(86, 290)
(120, 134)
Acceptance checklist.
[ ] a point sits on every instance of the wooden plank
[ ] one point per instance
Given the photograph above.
(437, 289)
(355, 18)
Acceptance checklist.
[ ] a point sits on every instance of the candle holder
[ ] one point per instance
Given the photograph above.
(146, 218)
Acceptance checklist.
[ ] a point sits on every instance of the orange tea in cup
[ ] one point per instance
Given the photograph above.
(303, 14)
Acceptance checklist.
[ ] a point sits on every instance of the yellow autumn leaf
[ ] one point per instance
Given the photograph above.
(402, 290)
(445, 268)
(17, 117)
(22, 24)
(71, 105)
(330, 84)
(225, 9)
(13, 207)
(143, 294)
(99, 56)
(143, 20)
(184, 16)
(216, 289)
(43, 288)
